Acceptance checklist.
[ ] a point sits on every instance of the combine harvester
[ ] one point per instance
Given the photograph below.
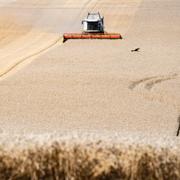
(93, 28)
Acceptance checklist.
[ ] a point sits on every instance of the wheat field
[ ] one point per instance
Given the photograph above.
(120, 109)
(87, 159)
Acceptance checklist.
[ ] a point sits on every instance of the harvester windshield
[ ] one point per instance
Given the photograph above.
(93, 26)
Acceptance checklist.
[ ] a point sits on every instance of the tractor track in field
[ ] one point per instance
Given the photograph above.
(33, 55)
(152, 83)
(149, 82)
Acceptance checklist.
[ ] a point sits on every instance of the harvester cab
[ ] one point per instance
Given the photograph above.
(93, 28)
(94, 23)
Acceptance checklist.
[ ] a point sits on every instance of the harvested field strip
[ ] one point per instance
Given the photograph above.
(89, 160)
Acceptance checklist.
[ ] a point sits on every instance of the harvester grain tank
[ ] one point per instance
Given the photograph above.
(93, 28)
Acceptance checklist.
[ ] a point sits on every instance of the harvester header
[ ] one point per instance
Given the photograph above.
(93, 28)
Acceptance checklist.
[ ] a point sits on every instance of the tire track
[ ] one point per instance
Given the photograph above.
(138, 82)
(152, 83)
(149, 82)
(33, 55)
